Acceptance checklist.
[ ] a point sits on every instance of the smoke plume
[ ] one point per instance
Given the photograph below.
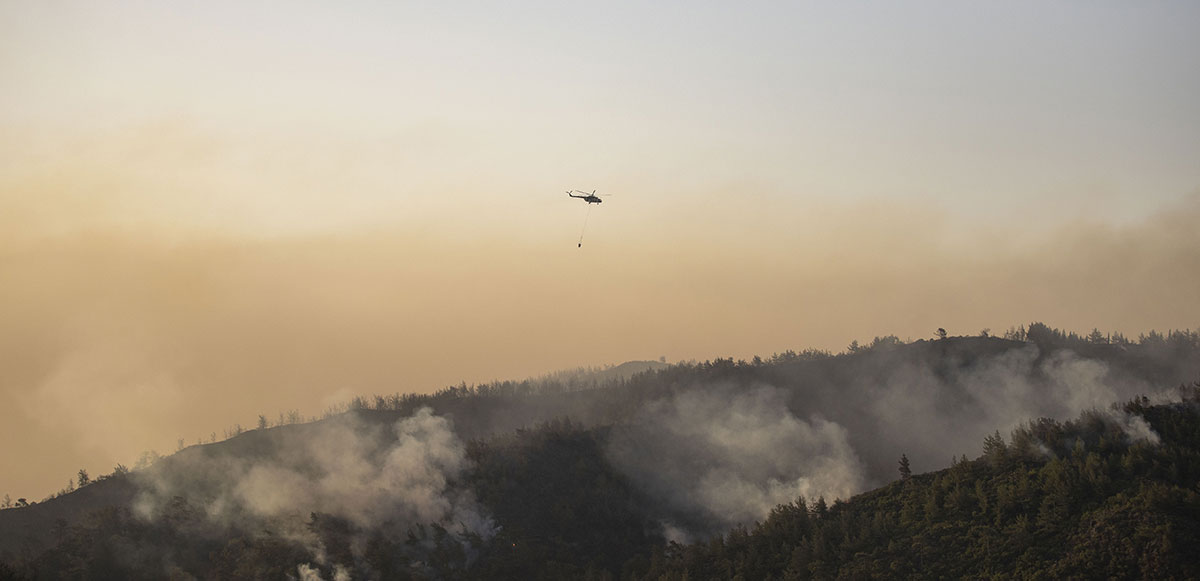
(934, 415)
(719, 455)
(722, 457)
(377, 478)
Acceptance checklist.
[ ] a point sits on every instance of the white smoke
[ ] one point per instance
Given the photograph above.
(718, 456)
(306, 572)
(935, 415)
(1080, 381)
(1135, 427)
(340, 475)
(732, 456)
(363, 473)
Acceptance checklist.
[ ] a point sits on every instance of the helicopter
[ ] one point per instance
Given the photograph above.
(591, 198)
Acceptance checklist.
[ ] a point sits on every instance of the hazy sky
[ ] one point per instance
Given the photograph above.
(214, 210)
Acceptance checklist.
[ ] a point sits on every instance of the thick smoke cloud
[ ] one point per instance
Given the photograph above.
(722, 457)
(718, 455)
(377, 478)
(712, 455)
(934, 415)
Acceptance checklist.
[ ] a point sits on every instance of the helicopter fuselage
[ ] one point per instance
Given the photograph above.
(589, 198)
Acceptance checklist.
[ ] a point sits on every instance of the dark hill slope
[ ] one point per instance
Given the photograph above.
(1095, 497)
(556, 509)
(930, 400)
(1074, 500)
(28, 531)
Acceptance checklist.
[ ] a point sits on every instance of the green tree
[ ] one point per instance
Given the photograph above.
(820, 509)
(995, 450)
(905, 470)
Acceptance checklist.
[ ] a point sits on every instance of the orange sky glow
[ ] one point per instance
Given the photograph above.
(213, 212)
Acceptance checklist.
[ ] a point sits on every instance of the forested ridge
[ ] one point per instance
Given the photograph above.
(1079, 499)
(1075, 499)
(926, 459)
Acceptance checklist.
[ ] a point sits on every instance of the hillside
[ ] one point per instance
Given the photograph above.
(615, 475)
(1086, 498)
(1090, 498)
